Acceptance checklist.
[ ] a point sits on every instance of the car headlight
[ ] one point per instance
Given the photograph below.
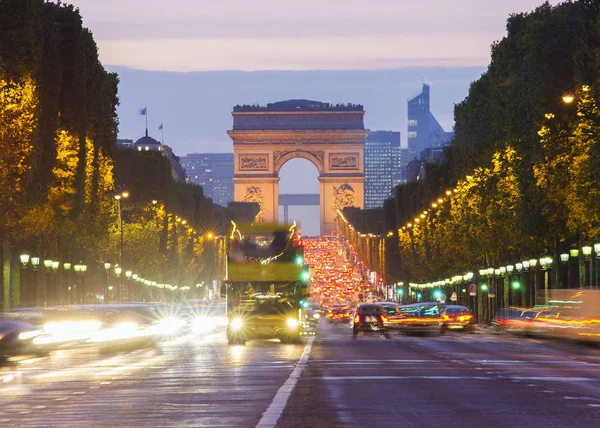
(292, 323)
(170, 325)
(236, 324)
(317, 315)
(27, 335)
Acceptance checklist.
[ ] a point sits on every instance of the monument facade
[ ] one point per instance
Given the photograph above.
(329, 136)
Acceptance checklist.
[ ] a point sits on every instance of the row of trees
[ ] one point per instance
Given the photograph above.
(60, 170)
(521, 178)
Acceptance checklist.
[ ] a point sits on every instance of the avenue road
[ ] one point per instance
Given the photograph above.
(454, 380)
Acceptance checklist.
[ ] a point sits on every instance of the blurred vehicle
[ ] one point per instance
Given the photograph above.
(390, 307)
(267, 283)
(454, 317)
(370, 318)
(340, 314)
(17, 338)
(417, 318)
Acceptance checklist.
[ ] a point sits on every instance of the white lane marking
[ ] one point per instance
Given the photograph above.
(566, 397)
(547, 391)
(38, 407)
(332, 378)
(594, 405)
(557, 379)
(386, 362)
(61, 399)
(275, 409)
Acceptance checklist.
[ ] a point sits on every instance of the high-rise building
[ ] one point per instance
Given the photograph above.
(424, 131)
(212, 171)
(382, 166)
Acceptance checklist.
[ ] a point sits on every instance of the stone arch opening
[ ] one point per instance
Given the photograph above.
(299, 195)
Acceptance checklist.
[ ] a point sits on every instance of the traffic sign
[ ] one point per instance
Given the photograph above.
(453, 297)
(443, 298)
(491, 291)
(473, 290)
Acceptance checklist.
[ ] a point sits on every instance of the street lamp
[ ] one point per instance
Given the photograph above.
(119, 197)
(564, 258)
(587, 253)
(107, 287)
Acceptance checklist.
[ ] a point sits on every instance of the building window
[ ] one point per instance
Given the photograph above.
(412, 134)
(412, 122)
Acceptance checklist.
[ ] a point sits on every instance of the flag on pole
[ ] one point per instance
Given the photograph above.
(143, 111)
(160, 127)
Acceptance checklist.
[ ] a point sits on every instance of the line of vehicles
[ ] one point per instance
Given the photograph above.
(387, 317)
(39, 331)
(572, 314)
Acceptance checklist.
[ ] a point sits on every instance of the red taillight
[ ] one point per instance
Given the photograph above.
(384, 319)
(446, 317)
(356, 319)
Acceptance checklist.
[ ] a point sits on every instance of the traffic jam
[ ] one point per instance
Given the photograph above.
(341, 292)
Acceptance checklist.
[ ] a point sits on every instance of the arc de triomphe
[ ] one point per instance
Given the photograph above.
(331, 137)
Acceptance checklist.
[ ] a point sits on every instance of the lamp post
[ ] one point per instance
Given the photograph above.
(597, 251)
(67, 269)
(55, 265)
(118, 271)
(564, 258)
(24, 258)
(119, 197)
(106, 283)
(587, 254)
(574, 253)
(128, 274)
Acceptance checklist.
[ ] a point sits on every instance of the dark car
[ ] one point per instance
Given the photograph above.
(370, 318)
(16, 338)
(456, 317)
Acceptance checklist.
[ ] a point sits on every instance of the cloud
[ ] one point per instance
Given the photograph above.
(186, 35)
(335, 53)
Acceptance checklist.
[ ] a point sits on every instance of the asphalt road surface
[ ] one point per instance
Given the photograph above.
(454, 380)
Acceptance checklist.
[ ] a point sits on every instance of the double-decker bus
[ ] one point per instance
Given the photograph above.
(267, 283)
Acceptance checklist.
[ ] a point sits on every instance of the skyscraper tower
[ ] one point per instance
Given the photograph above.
(382, 165)
(424, 131)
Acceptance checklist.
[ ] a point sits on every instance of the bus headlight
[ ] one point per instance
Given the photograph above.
(292, 323)
(236, 324)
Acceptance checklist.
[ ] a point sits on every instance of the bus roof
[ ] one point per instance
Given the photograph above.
(262, 227)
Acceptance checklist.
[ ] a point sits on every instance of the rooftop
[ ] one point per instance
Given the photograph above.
(298, 105)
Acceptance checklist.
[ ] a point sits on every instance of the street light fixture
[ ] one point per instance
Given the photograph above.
(574, 252)
(24, 259)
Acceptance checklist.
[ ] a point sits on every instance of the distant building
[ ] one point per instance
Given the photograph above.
(382, 166)
(147, 143)
(212, 171)
(424, 131)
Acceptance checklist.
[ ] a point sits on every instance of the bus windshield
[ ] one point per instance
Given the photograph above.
(263, 298)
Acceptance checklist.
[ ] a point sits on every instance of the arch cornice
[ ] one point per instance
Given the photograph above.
(316, 157)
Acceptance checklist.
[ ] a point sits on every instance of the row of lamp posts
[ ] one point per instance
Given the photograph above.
(38, 276)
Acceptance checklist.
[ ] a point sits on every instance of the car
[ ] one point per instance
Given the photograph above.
(455, 317)
(370, 318)
(17, 338)
(416, 318)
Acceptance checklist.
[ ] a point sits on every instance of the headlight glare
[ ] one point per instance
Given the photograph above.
(292, 323)
(236, 323)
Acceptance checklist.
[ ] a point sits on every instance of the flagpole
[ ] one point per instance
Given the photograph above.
(146, 120)
(162, 133)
